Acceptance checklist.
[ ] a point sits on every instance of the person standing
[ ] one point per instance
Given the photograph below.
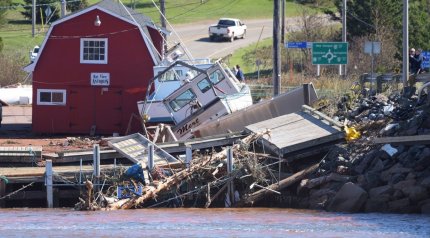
(419, 61)
(415, 61)
(239, 74)
(412, 61)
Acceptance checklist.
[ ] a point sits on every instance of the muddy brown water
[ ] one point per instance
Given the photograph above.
(219, 223)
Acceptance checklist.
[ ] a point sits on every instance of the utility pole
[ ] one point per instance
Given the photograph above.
(276, 49)
(33, 17)
(163, 24)
(283, 22)
(63, 8)
(405, 67)
(344, 31)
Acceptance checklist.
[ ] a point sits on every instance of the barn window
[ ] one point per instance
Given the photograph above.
(51, 97)
(94, 51)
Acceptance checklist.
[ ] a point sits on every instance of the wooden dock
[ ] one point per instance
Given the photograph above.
(84, 155)
(20, 154)
(37, 174)
(298, 132)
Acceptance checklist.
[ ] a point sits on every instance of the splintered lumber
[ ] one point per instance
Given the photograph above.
(255, 197)
(151, 192)
(405, 140)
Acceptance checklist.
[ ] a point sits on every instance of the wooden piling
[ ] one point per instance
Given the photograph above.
(49, 184)
(150, 157)
(2, 192)
(230, 162)
(188, 155)
(96, 166)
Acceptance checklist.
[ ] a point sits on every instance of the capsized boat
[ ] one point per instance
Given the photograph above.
(210, 94)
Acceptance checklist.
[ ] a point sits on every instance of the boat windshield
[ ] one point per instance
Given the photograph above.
(216, 76)
(182, 100)
(171, 75)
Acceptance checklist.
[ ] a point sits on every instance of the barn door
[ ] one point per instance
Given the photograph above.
(95, 107)
(108, 108)
(81, 113)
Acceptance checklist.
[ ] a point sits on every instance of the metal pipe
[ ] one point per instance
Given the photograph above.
(271, 190)
(405, 67)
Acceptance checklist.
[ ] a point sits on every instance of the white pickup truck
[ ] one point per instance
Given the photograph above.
(227, 28)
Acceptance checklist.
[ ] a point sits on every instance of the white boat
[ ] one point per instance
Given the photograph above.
(19, 95)
(212, 93)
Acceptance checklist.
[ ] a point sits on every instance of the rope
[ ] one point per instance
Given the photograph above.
(15, 192)
(4, 178)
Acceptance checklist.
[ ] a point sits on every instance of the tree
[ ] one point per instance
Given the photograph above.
(419, 34)
(370, 17)
(42, 5)
(3, 9)
(77, 5)
(381, 20)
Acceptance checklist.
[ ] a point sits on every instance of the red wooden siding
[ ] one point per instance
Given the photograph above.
(108, 107)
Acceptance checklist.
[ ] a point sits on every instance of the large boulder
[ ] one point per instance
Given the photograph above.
(386, 175)
(415, 193)
(426, 182)
(402, 205)
(381, 192)
(376, 205)
(425, 207)
(350, 198)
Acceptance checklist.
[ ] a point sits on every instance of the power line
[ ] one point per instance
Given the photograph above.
(362, 21)
(190, 10)
(37, 5)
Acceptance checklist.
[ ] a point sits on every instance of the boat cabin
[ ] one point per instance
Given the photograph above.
(211, 94)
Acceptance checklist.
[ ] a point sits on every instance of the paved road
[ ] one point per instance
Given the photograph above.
(196, 38)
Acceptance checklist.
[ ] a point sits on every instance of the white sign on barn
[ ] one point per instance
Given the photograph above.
(100, 79)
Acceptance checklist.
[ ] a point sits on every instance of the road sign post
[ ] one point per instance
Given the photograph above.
(329, 53)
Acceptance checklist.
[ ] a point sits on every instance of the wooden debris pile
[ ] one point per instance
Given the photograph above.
(207, 181)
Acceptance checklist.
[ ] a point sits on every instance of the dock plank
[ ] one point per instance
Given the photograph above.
(296, 131)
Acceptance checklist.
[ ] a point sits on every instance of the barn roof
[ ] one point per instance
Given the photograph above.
(116, 8)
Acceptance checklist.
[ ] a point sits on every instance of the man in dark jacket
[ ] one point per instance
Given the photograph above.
(239, 74)
(415, 61)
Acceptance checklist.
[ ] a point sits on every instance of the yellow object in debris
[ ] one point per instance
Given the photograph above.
(145, 118)
(351, 133)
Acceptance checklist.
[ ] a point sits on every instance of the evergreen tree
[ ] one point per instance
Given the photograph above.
(374, 18)
(369, 17)
(42, 5)
(419, 32)
(77, 5)
(3, 9)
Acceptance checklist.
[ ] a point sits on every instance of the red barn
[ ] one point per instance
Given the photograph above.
(92, 68)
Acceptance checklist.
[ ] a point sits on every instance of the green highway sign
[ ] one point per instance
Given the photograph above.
(330, 53)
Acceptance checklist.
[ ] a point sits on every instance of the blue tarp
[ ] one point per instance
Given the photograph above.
(136, 172)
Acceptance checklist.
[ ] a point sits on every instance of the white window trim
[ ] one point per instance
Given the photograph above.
(82, 61)
(39, 91)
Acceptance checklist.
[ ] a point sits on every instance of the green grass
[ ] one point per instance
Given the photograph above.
(17, 34)
(237, 56)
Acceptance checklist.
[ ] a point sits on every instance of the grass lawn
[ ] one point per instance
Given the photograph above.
(237, 56)
(17, 36)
